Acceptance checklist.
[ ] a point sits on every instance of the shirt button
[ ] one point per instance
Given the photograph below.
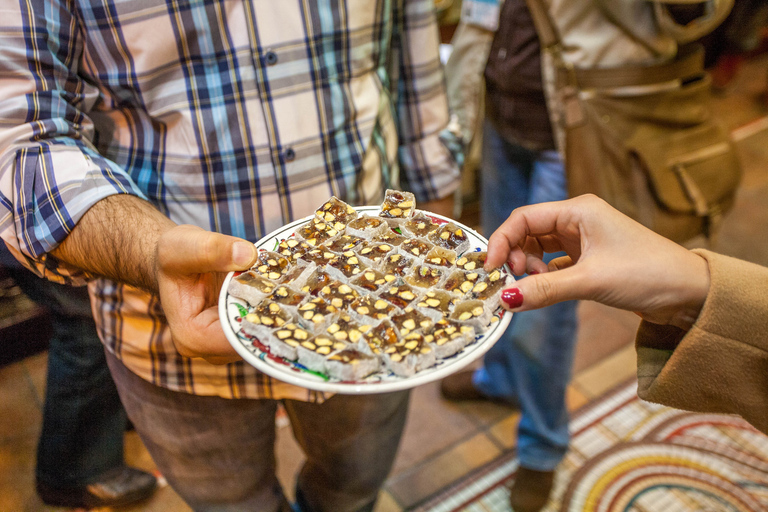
(271, 58)
(289, 155)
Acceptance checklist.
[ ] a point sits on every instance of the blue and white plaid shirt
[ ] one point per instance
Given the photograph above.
(236, 116)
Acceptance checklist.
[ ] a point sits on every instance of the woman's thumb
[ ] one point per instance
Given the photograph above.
(540, 290)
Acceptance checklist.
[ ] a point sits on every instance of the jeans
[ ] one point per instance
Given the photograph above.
(218, 454)
(83, 419)
(530, 365)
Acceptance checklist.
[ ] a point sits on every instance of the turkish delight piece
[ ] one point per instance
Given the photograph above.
(460, 283)
(320, 255)
(351, 364)
(472, 261)
(317, 313)
(271, 265)
(316, 282)
(489, 287)
(284, 341)
(389, 237)
(313, 353)
(380, 337)
(372, 307)
(420, 225)
(440, 257)
(367, 226)
(411, 320)
(473, 312)
(287, 296)
(409, 355)
(450, 236)
(250, 287)
(336, 213)
(415, 247)
(267, 314)
(348, 264)
(345, 242)
(339, 294)
(400, 295)
(448, 337)
(347, 329)
(436, 304)
(425, 276)
(375, 251)
(397, 265)
(397, 205)
(317, 232)
(371, 280)
(293, 248)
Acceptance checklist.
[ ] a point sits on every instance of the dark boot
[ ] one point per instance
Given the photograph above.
(117, 487)
(531, 489)
(459, 387)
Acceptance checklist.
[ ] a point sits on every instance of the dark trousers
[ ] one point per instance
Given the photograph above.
(83, 419)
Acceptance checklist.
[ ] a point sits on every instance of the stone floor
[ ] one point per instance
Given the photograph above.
(443, 441)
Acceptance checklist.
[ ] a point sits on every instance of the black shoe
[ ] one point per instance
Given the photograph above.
(119, 486)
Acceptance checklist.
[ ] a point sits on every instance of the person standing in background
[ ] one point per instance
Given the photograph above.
(80, 459)
(530, 366)
(146, 145)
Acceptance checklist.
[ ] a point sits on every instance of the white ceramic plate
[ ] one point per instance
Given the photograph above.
(258, 355)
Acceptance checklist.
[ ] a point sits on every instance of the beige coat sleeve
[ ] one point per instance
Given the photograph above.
(721, 364)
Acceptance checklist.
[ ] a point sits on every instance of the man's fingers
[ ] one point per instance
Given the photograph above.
(191, 250)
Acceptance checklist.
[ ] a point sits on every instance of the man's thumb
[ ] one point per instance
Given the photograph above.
(540, 290)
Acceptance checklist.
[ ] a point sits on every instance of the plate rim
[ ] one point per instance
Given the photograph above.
(298, 379)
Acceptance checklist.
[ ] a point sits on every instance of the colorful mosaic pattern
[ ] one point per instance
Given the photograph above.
(632, 456)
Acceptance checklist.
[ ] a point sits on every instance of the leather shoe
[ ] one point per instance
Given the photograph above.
(122, 485)
(531, 489)
(459, 387)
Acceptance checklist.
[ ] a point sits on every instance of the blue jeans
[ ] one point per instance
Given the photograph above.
(531, 364)
(83, 419)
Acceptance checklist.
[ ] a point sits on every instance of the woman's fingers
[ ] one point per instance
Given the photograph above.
(540, 290)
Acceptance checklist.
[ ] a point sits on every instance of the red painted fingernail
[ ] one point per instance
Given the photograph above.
(533, 272)
(512, 298)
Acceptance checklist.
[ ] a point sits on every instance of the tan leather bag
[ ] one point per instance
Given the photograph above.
(658, 156)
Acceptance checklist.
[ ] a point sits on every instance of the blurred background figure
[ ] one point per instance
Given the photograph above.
(80, 450)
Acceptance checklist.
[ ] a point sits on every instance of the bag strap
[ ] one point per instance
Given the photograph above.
(549, 36)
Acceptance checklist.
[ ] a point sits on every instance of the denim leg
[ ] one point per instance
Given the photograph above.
(531, 364)
(83, 419)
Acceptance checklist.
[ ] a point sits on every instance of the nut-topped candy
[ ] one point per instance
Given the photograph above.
(346, 329)
(410, 354)
(436, 302)
(283, 341)
(348, 263)
(472, 261)
(396, 265)
(320, 255)
(317, 232)
(400, 295)
(450, 236)
(372, 307)
(250, 287)
(420, 225)
(317, 311)
(271, 265)
(425, 276)
(449, 337)
(371, 280)
(389, 237)
(313, 352)
(460, 283)
(381, 336)
(472, 311)
(351, 364)
(336, 213)
(345, 242)
(440, 257)
(489, 286)
(416, 247)
(339, 294)
(411, 320)
(316, 282)
(374, 251)
(268, 314)
(287, 296)
(367, 223)
(397, 205)
(292, 248)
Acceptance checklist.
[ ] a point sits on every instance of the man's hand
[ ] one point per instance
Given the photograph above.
(191, 266)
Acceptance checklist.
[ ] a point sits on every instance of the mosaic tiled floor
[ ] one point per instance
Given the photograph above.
(633, 456)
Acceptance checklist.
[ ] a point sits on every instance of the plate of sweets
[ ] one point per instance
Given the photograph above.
(363, 300)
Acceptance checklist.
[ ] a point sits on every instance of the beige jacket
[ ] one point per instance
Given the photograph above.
(721, 364)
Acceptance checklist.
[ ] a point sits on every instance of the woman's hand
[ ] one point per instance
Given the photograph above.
(610, 259)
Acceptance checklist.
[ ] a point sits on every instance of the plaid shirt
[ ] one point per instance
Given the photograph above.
(234, 116)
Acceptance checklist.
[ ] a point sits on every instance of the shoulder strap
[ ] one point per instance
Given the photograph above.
(549, 36)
